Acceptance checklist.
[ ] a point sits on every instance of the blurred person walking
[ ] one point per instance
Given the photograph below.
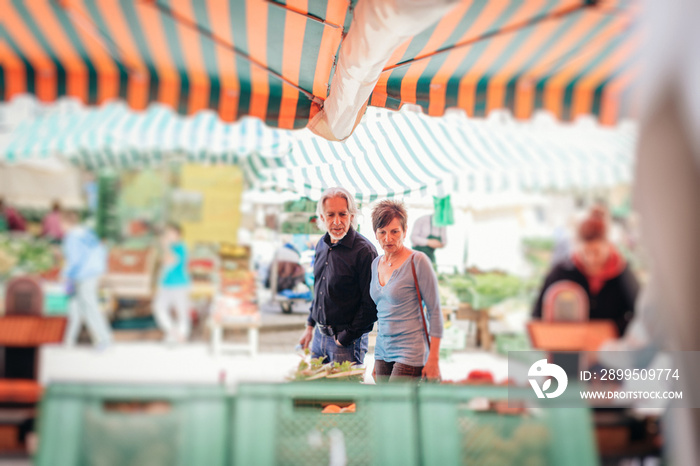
(342, 311)
(402, 280)
(85, 262)
(173, 287)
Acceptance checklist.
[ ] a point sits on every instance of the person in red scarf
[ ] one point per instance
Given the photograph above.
(600, 270)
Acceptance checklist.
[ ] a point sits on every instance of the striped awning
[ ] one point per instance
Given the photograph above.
(569, 57)
(276, 59)
(114, 136)
(407, 153)
(264, 58)
(389, 154)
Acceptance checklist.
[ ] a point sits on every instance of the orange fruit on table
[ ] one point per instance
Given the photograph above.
(331, 409)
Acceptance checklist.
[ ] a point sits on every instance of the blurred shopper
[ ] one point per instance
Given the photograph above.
(10, 219)
(51, 227)
(289, 270)
(342, 311)
(426, 237)
(85, 261)
(402, 280)
(173, 288)
(599, 269)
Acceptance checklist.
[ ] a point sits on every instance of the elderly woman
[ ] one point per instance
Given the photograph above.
(599, 271)
(403, 350)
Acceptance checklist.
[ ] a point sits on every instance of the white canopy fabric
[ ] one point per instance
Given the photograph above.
(379, 27)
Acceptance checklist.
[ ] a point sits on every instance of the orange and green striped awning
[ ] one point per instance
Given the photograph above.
(275, 59)
(241, 57)
(570, 57)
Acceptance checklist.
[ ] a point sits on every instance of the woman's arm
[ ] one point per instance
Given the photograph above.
(430, 293)
(431, 370)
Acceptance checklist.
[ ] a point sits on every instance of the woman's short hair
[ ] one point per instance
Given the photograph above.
(386, 211)
(342, 193)
(594, 226)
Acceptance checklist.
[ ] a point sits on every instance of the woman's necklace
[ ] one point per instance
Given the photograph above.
(390, 261)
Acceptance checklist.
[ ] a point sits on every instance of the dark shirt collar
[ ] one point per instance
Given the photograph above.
(348, 240)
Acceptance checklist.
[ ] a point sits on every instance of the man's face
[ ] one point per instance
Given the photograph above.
(336, 218)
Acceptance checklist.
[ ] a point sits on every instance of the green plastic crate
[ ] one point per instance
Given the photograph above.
(453, 433)
(283, 425)
(134, 425)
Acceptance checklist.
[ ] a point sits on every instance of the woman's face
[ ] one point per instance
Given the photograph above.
(391, 236)
(594, 254)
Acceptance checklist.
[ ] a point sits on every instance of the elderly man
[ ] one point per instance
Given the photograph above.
(342, 311)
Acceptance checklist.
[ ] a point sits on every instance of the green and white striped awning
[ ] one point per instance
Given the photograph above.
(390, 154)
(114, 136)
(402, 153)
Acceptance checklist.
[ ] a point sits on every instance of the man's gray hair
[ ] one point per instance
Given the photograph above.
(342, 193)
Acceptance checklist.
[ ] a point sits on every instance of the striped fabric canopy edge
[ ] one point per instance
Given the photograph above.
(271, 59)
(275, 59)
(570, 57)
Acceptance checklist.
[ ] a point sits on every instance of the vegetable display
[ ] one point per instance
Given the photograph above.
(25, 255)
(485, 290)
(314, 369)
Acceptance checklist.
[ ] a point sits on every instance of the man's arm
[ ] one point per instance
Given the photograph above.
(443, 236)
(367, 313)
(310, 320)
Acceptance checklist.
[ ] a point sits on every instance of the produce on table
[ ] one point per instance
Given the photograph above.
(331, 409)
(335, 409)
(314, 369)
(7, 262)
(485, 289)
(25, 255)
(349, 409)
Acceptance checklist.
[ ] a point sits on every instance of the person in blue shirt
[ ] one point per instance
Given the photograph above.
(173, 287)
(402, 350)
(85, 261)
